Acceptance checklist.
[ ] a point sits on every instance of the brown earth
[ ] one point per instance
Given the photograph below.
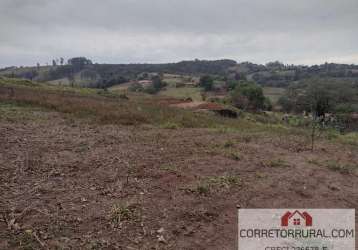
(65, 184)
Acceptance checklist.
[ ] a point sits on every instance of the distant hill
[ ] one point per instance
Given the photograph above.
(276, 74)
(82, 72)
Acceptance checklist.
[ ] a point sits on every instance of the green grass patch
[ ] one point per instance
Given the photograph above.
(183, 92)
(111, 108)
(170, 125)
(123, 213)
(350, 138)
(13, 111)
(342, 168)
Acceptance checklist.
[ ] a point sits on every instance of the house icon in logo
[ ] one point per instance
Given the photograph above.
(296, 218)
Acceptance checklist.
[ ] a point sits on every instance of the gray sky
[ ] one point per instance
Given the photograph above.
(129, 31)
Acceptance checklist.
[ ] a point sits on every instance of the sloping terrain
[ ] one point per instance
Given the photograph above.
(69, 181)
(274, 74)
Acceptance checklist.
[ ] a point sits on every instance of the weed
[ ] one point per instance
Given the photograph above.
(260, 175)
(314, 162)
(276, 163)
(208, 184)
(225, 181)
(170, 125)
(202, 189)
(228, 144)
(342, 168)
(24, 241)
(82, 147)
(168, 168)
(235, 156)
(121, 213)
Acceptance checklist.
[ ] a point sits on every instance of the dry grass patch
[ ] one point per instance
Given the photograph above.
(217, 183)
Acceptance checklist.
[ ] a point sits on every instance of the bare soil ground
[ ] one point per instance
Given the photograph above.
(66, 184)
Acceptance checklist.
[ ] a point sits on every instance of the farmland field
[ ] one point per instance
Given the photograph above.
(90, 171)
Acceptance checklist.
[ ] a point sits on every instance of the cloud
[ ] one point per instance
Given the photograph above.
(122, 31)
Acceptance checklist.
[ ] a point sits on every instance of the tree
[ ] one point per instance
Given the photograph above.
(248, 96)
(62, 60)
(286, 103)
(158, 84)
(206, 82)
(79, 62)
(276, 65)
(71, 79)
(231, 84)
(54, 63)
(319, 98)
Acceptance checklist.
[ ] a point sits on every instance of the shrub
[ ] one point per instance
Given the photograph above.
(248, 96)
(206, 82)
(136, 87)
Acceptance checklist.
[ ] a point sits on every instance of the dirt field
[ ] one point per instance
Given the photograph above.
(68, 184)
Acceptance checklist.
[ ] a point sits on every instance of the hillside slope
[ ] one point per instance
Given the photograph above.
(98, 75)
(82, 169)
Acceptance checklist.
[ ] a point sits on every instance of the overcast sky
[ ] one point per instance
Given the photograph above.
(129, 31)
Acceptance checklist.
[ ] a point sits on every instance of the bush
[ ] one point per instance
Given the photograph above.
(286, 103)
(136, 87)
(150, 90)
(231, 84)
(206, 82)
(248, 96)
(346, 108)
(267, 104)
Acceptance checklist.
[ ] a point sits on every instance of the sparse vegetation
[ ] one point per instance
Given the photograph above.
(169, 168)
(209, 184)
(276, 163)
(234, 155)
(170, 125)
(122, 213)
(138, 151)
(342, 168)
(229, 144)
